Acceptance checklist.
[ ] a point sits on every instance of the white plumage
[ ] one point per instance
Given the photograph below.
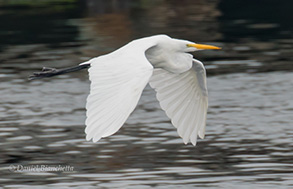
(184, 99)
(118, 79)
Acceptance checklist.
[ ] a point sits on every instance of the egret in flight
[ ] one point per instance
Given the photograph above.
(118, 79)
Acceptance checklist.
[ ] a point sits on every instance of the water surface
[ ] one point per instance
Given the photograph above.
(249, 128)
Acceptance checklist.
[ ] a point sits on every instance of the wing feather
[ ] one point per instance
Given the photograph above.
(116, 86)
(184, 99)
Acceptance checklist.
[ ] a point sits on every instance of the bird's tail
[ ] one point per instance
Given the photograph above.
(49, 72)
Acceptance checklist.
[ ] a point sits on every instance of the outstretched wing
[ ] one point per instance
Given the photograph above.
(184, 98)
(116, 86)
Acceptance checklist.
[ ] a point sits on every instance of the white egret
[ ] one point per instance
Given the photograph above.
(118, 79)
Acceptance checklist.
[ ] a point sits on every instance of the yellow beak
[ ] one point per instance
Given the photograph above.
(200, 46)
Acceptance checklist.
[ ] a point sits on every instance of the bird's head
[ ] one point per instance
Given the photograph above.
(187, 46)
(173, 54)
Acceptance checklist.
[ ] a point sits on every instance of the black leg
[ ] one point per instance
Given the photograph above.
(49, 72)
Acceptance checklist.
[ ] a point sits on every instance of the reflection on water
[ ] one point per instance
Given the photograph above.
(249, 135)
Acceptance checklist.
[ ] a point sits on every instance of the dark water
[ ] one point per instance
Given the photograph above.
(249, 135)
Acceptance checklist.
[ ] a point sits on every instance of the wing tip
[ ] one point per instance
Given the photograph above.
(93, 139)
(193, 143)
(201, 135)
(96, 139)
(185, 142)
(191, 140)
(88, 137)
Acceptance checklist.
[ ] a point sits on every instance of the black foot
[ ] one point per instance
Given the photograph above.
(49, 72)
(46, 72)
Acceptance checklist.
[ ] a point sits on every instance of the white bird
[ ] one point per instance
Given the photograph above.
(118, 79)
